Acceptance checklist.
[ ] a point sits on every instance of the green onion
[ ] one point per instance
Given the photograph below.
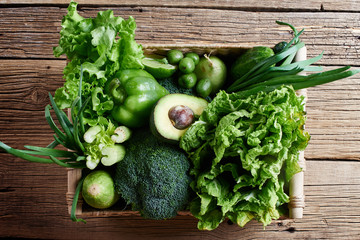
(23, 155)
(69, 137)
(63, 120)
(75, 201)
(68, 165)
(266, 76)
(265, 65)
(49, 151)
(52, 124)
(52, 144)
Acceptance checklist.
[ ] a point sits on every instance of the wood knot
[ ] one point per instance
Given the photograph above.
(38, 96)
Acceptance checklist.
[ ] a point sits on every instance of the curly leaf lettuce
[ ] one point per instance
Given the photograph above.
(244, 152)
(103, 46)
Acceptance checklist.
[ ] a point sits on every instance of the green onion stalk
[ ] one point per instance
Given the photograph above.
(280, 69)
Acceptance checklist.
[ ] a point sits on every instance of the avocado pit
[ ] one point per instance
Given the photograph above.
(181, 116)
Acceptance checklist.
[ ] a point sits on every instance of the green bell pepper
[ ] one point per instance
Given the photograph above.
(134, 92)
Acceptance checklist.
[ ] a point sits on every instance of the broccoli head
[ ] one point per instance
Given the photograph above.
(153, 176)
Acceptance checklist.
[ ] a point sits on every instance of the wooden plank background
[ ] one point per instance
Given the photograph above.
(32, 196)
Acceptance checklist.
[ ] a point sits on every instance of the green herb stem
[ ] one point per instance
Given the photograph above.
(75, 201)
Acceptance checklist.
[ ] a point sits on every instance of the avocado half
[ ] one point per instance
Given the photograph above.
(160, 123)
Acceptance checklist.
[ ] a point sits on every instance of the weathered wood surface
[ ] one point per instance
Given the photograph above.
(254, 5)
(31, 32)
(32, 196)
(32, 203)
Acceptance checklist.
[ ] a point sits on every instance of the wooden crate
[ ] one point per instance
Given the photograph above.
(296, 192)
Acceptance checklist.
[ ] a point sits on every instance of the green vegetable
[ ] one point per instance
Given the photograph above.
(102, 45)
(174, 56)
(214, 69)
(244, 151)
(153, 176)
(170, 85)
(75, 202)
(158, 68)
(101, 102)
(279, 69)
(186, 65)
(101, 147)
(187, 80)
(98, 190)
(194, 56)
(204, 88)
(248, 60)
(112, 154)
(134, 95)
(279, 47)
(121, 134)
(173, 113)
(69, 138)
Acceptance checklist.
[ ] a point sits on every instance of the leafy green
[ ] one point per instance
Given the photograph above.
(153, 176)
(244, 152)
(102, 45)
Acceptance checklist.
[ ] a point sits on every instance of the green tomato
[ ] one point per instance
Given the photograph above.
(186, 65)
(174, 56)
(193, 56)
(204, 87)
(187, 80)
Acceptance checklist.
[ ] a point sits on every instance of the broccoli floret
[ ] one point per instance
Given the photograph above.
(170, 85)
(153, 176)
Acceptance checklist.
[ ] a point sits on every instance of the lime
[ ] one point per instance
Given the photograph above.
(186, 65)
(158, 68)
(98, 190)
(187, 80)
(174, 56)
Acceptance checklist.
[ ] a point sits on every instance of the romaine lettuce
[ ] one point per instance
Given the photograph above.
(244, 152)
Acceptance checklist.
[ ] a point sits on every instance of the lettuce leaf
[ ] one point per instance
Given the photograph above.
(244, 152)
(102, 46)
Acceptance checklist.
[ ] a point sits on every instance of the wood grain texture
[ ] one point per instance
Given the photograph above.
(38, 209)
(271, 5)
(33, 196)
(31, 32)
